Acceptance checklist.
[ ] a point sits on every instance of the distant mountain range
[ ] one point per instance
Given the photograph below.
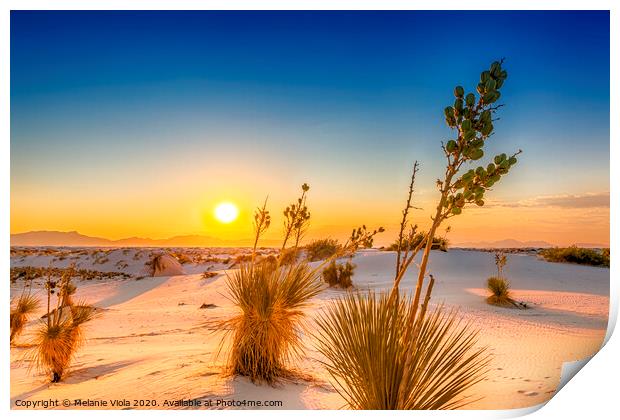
(513, 243)
(55, 238)
(504, 243)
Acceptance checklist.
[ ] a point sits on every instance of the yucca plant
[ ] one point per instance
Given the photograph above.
(374, 368)
(388, 351)
(271, 299)
(24, 306)
(266, 332)
(498, 285)
(61, 333)
(500, 291)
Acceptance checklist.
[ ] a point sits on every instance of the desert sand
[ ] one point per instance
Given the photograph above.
(154, 342)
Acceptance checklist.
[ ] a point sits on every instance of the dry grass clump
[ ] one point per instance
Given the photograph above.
(381, 360)
(61, 333)
(338, 274)
(321, 249)
(24, 306)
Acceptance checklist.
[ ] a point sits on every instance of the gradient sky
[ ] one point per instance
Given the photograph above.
(139, 123)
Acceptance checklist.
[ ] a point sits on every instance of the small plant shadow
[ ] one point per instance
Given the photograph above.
(96, 372)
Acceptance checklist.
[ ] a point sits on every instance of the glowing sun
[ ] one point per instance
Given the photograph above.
(226, 212)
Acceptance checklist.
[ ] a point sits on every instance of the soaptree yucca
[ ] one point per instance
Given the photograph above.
(60, 333)
(271, 299)
(21, 309)
(500, 291)
(390, 351)
(375, 368)
(463, 184)
(498, 285)
(266, 332)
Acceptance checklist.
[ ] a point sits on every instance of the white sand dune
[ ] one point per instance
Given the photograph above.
(153, 342)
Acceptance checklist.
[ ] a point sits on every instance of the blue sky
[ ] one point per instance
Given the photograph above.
(346, 96)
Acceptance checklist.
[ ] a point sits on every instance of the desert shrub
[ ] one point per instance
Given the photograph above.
(29, 273)
(121, 264)
(210, 259)
(265, 334)
(379, 364)
(24, 306)
(606, 254)
(60, 333)
(208, 274)
(101, 260)
(339, 275)
(289, 256)
(321, 249)
(182, 258)
(576, 255)
(240, 259)
(412, 243)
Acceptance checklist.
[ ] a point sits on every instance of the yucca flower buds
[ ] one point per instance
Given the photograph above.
(472, 116)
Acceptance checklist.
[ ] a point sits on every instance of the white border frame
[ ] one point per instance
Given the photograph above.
(592, 395)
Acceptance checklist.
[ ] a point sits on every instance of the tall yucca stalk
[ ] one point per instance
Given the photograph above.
(388, 351)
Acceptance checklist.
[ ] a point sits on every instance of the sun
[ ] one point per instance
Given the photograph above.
(226, 212)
